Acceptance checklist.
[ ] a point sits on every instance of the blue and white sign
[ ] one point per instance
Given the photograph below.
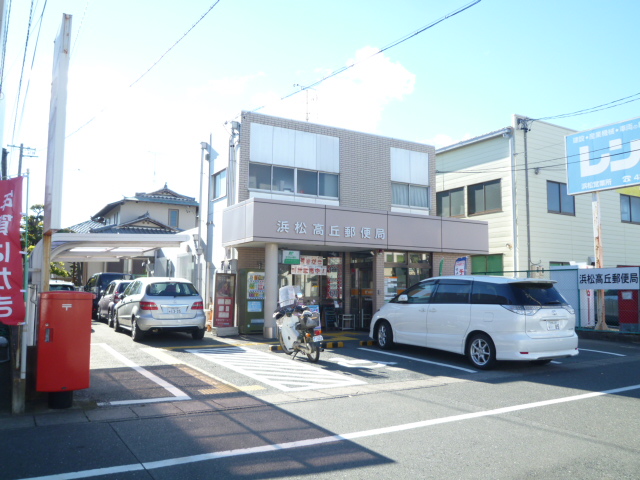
(623, 278)
(604, 158)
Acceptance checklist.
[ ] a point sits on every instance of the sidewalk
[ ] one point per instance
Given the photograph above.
(38, 413)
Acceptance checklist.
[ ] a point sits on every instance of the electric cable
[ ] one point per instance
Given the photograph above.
(5, 34)
(149, 69)
(391, 45)
(24, 59)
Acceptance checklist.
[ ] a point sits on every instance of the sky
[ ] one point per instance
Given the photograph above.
(149, 80)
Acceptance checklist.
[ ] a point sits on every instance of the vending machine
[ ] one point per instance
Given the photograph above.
(250, 298)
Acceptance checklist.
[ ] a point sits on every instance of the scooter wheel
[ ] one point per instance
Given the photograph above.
(282, 345)
(314, 356)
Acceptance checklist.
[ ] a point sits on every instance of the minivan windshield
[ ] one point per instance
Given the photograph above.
(537, 294)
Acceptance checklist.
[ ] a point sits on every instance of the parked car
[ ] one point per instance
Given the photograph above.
(61, 285)
(485, 318)
(97, 285)
(157, 304)
(109, 299)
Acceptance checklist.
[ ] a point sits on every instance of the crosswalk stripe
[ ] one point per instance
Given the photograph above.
(281, 373)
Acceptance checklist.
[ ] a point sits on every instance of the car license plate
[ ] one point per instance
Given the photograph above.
(173, 310)
(553, 325)
(318, 338)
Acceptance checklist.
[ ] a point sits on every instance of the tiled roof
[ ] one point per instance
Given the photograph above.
(164, 195)
(85, 227)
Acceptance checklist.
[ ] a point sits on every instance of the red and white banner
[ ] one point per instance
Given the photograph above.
(12, 309)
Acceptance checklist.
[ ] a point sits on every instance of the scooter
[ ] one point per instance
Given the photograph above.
(298, 327)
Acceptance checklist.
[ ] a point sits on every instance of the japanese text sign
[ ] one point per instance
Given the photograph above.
(625, 278)
(12, 309)
(604, 158)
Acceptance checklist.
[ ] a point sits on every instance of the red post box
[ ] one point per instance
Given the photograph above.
(64, 345)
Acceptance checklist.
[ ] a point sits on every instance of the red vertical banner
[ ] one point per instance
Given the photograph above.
(12, 309)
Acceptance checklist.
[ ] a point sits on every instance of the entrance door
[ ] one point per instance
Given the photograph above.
(362, 293)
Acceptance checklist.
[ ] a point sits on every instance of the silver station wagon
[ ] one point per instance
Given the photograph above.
(485, 318)
(157, 304)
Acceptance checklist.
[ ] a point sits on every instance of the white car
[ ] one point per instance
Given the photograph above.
(157, 304)
(483, 317)
(61, 285)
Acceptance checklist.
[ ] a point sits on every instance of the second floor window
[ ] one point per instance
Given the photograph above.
(484, 197)
(410, 195)
(293, 180)
(557, 199)
(450, 203)
(173, 218)
(630, 209)
(220, 184)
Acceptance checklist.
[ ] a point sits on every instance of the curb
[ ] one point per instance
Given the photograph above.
(367, 343)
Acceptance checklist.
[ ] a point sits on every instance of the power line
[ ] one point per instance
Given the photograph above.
(597, 108)
(24, 59)
(391, 45)
(150, 68)
(564, 162)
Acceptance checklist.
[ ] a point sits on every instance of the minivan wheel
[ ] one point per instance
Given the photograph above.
(110, 316)
(384, 335)
(116, 323)
(481, 352)
(136, 333)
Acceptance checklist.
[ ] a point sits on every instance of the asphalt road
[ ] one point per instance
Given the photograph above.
(174, 408)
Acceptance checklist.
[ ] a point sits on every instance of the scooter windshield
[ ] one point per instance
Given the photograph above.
(288, 295)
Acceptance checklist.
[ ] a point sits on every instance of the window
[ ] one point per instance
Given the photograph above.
(259, 176)
(487, 265)
(410, 195)
(490, 294)
(290, 180)
(557, 199)
(307, 182)
(630, 209)
(173, 218)
(452, 292)
(220, 184)
(420, 293)
(484, 197)
(450, 203)
(329, 185)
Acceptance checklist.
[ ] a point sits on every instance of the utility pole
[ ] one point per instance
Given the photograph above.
(22, 155)
(525, 126)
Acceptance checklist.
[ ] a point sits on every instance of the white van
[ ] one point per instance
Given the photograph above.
(483, 317)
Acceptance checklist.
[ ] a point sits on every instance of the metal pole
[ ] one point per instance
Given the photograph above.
(601, 322)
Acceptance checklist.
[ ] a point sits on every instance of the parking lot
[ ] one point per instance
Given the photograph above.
(172, 371)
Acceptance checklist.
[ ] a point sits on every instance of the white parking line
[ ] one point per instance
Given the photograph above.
(178, 395)
(420, 360)
(600, 351)
(170, 462)
(281, 373)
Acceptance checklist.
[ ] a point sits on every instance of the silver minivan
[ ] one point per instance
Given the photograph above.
(483, 317)
(157, 304)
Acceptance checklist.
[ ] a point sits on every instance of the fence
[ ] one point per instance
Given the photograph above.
(623, 319)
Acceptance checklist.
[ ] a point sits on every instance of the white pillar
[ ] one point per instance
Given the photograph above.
(270, 289)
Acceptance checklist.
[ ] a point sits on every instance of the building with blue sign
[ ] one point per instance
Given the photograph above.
(516, 179)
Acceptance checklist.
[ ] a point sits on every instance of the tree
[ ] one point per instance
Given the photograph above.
(34, 226)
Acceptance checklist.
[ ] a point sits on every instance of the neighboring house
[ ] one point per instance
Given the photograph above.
(346, 216)
(161, 212)
(521, 191)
